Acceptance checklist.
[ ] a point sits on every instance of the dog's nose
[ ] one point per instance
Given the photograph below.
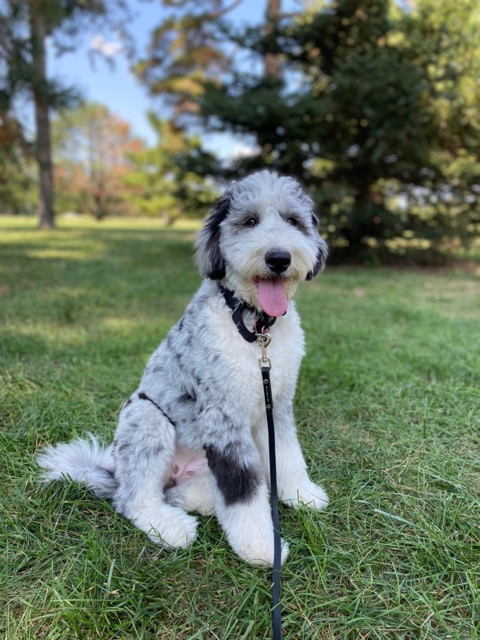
(278, 260)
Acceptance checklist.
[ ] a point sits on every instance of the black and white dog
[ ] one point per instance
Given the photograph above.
(193, 437)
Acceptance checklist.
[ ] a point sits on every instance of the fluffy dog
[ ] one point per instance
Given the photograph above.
(193, 437)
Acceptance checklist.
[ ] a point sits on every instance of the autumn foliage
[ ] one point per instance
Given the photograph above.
(93, 151)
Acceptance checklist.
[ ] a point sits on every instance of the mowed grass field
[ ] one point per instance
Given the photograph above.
(388, 412)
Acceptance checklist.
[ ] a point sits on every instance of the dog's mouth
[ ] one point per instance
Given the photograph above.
(272, 295)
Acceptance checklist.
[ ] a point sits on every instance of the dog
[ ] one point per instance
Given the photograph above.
(193, 437)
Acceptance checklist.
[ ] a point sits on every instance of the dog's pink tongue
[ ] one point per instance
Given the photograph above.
(272, 298)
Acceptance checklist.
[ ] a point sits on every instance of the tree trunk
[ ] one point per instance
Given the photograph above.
(43, 151)
(272, 15)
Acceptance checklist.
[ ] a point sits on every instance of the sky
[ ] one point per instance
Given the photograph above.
(117, 88)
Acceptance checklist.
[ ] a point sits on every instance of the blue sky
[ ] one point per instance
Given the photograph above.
(117, 88)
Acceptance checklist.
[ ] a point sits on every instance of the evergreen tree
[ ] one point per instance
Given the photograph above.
(443, 40)
(362, 119)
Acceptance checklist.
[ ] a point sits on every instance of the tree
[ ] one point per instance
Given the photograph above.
(17, 181)
(25, 26)
(360, 117)
(171, 179)
(93, 154)
(271, 67)
(443, 41)
(344, 88)
(185, 50)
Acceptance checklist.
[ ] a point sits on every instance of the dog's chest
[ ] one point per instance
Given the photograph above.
(206, 365)
(242, 359)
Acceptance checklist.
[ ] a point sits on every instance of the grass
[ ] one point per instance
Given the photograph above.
(388, 411)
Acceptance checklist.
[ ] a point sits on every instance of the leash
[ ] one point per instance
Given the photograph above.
(264, 340)
(261, 335)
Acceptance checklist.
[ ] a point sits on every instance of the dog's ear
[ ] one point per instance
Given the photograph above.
(322, 252)
(209, 257)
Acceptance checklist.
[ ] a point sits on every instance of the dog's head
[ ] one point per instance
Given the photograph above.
(261, 240)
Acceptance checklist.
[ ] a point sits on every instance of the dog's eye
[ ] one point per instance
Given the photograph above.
(293, 221)
(250, 222)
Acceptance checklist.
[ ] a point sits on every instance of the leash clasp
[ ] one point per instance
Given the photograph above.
(264, 340)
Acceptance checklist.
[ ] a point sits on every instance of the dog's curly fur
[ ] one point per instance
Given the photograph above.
(193, 437)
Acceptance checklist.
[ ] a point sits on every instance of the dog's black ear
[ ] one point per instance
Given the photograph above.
(209, 257)
(322, 252)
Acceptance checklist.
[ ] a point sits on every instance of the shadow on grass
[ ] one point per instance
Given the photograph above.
(83, 309)
(70, 275)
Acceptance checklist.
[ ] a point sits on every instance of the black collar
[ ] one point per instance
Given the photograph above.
(263, 321)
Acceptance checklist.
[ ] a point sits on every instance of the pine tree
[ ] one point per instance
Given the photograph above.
(373, 104)
(358, 117)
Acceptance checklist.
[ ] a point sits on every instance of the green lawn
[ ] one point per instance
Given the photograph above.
(388, 411)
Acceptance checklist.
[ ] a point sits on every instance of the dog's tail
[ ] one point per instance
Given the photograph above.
(84, 461)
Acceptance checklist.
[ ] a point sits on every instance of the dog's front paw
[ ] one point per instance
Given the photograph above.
(261, 555)
(309, 494)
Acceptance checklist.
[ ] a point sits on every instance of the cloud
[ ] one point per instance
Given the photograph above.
(107, 49)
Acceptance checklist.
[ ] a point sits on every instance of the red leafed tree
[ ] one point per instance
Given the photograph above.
(92, 150)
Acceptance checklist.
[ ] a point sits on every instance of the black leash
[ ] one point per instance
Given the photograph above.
(261, 335)
(265, 366)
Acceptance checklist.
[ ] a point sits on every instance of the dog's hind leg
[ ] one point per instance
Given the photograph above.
(143, 449)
